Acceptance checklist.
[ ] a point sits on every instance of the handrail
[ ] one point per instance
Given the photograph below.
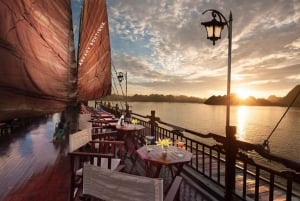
(265, 153)
(139, 115)
(218, 138)
(209, 159)
(241, 144)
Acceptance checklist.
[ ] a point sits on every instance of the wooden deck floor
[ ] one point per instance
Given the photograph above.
(51, 179)
(53, 183)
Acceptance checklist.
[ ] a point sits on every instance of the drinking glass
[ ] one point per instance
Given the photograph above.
(149, 141)
(180, 152)
(180, 144)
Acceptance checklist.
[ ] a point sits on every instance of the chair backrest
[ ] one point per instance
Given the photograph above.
(83, 121)
(118, 186)
(77, 159)
(98, 134)
(108, 147)
(79, 139)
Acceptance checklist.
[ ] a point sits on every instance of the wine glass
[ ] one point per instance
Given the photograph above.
(149, 141)
(180, 144)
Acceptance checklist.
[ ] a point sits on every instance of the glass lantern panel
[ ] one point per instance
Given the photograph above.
(218, 31)
(209, 30)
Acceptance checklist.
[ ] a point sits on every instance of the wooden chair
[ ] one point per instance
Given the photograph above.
(115, 148)
(77, 160)
(104, 184)
(111, 137)
(105, 154)
(98, 133)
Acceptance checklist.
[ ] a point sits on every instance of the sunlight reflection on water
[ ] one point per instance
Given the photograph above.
(254, 123)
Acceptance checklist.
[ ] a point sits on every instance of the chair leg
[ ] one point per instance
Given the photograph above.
(133, 159)
(85, 198)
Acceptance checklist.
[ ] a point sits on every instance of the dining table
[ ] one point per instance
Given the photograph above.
(154, 155)
(131, 135)
(104, 121)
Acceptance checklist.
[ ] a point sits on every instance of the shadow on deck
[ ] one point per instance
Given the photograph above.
(53, 183)
(189, 189)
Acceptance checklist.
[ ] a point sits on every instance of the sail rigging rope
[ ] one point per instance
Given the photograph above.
(115, 85)
(266, 141)
(115, 88)
(118, 80)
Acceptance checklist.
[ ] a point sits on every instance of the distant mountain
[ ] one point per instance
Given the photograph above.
(214, 100)
(155, 98)
(252, 101)
(274, 99)
(285, 101)
(235, 100)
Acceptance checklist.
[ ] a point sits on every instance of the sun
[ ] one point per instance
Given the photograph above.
(243, 93)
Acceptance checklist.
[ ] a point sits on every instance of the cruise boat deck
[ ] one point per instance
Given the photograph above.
(53, 184)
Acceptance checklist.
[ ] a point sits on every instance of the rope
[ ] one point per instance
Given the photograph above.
(115, 85)
(117, 92)
(266, 142)
(118, 80)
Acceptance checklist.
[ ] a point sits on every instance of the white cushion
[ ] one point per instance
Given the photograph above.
(79, 139)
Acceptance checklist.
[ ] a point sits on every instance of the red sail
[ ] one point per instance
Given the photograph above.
(37, 57)
(94, 62)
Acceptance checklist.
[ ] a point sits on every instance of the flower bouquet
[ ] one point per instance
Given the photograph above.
(164, 143)
(134, 121)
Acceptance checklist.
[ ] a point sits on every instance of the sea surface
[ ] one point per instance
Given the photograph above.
(254, 123)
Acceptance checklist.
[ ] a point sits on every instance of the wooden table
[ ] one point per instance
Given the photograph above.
(104, 122)
(130, 132)
(175, 157)
(102, 115)
(110, 119)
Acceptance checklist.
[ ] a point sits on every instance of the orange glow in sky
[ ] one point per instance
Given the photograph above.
(164, 49)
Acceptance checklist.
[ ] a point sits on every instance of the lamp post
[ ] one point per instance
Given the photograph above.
(214, 29)
(121, 76)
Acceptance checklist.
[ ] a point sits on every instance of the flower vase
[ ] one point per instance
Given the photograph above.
(164, 150)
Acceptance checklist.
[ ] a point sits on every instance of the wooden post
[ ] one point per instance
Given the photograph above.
(72, 179)
(127, 112)
(117, 110)
(231, 151)
(152, 121)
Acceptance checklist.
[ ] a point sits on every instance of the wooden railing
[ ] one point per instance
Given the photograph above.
(255, 180)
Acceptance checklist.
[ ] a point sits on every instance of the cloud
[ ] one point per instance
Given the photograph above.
(163, 46)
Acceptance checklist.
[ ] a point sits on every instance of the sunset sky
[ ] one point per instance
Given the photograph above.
(164, 50)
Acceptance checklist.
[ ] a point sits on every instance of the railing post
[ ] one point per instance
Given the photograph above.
(117, 113)
(289, 185)
(152, 122)
(231, 151)
(127, 112)
(72, 180)
(98, 103)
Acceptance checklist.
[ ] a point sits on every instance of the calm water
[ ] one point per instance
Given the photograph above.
(254, 123)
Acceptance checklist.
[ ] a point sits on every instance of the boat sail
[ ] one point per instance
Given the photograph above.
(94, 72)
(38, 66)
